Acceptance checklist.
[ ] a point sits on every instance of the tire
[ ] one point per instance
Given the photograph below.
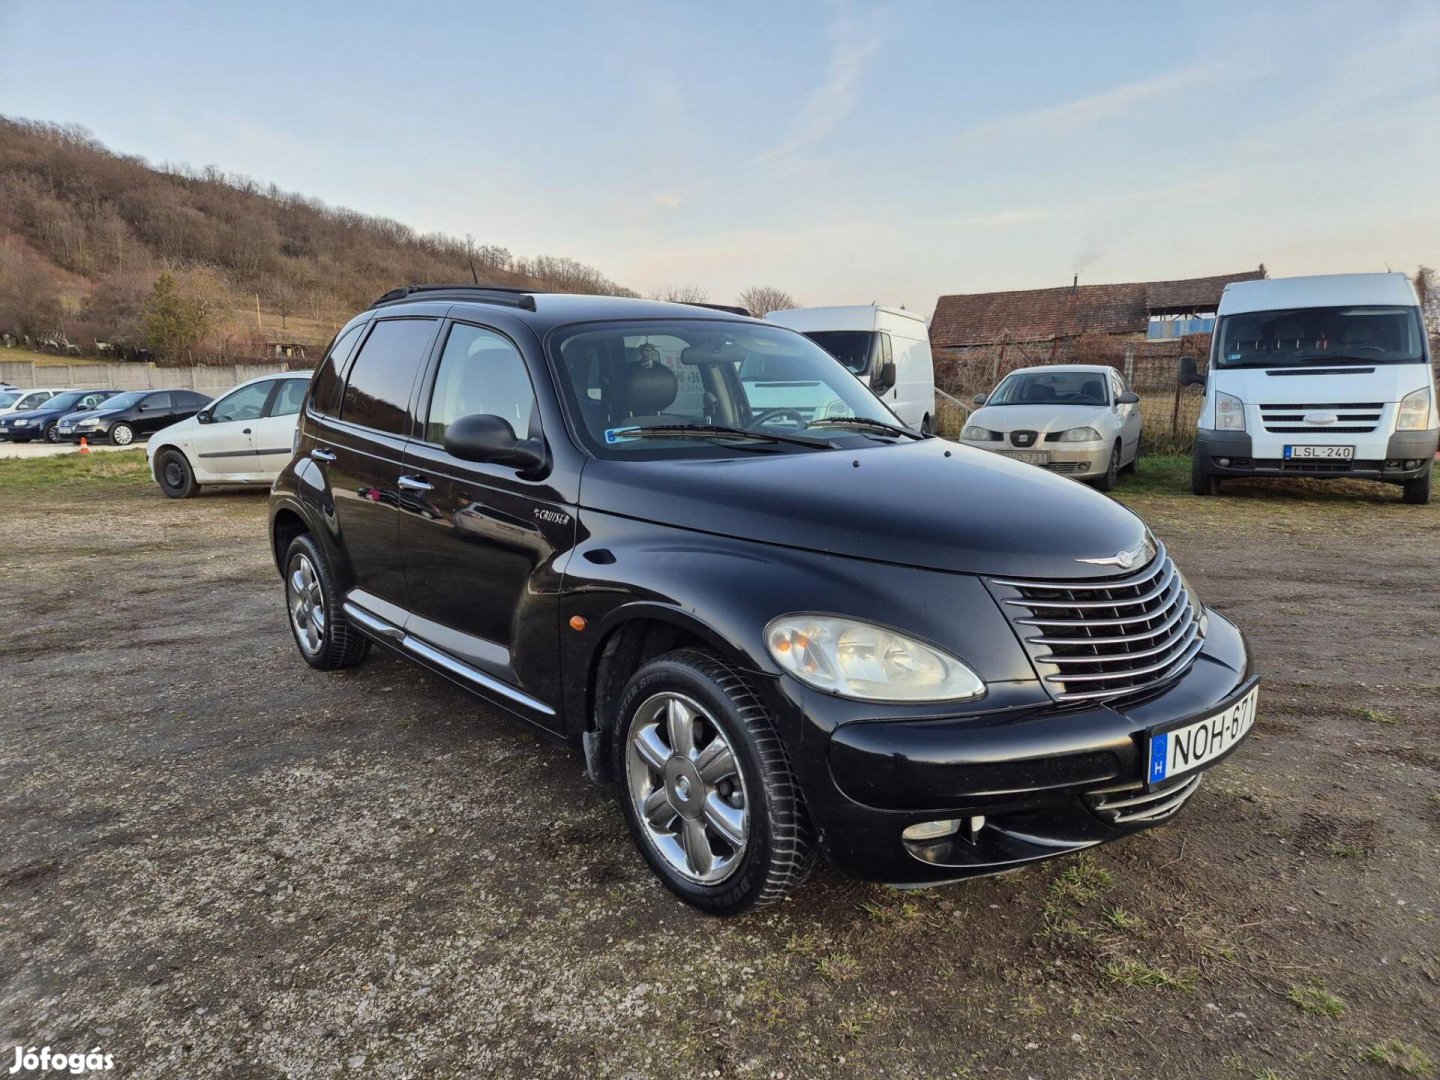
(15, 440)
(121, 435)
(1417, 491)
(52, 435)
(692, 793)
(174, 475)
(1112, 470)
(1201, 482)
(328, 642)
(1134, 467)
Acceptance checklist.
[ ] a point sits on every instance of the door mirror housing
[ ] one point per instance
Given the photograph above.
(1189, 376)
(980, 398)
(203, 416)
(1129, 397)
(884, 378)
(486, 438)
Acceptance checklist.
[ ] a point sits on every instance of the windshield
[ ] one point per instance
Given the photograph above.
(617, 377)
(1319, 335)
(123, 401)
(851, 347)
(1051, 388)
(6, 400)
(63, 401)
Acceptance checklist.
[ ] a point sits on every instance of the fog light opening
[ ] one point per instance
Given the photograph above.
(1412, 464)
(932, 830)
(1223, 462)
(1084, 466)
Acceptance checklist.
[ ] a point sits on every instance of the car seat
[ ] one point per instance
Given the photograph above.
(1092, 391)
(644, 393)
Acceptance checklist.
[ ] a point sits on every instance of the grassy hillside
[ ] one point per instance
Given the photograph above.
(85, 233)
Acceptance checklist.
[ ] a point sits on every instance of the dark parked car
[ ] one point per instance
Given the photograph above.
(128, 416)
(43, 422)
(781, 629)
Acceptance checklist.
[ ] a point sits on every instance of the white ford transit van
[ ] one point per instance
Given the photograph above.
(887, 348)
(1320, 377)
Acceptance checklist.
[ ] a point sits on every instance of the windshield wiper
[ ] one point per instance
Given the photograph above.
(866, 422)
(720, 431)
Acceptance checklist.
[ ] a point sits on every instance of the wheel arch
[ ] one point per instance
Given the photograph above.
(155, 459)
(285, 525)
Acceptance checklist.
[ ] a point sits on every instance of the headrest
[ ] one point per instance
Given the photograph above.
(645, 391)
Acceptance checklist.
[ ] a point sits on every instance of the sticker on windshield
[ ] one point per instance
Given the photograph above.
(1234, 356)
(619, 434)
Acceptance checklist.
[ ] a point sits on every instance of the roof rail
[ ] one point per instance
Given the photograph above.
(721, 307)
(487, 294)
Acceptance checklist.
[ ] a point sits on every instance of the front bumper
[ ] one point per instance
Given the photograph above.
(1041, 779)
(1073, 459)
(1407, 454)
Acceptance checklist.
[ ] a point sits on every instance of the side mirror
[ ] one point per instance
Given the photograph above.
(980, 398)
(486, 438)
(1188, 374)
(1129, 397)
(203, 416)
(884, 378)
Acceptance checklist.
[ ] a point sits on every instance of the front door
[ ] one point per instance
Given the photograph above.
(479, 540)
(225, 442)
(153, 412)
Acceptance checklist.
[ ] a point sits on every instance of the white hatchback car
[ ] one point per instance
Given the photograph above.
(1076, 419)
(13, 401)
(244, 437)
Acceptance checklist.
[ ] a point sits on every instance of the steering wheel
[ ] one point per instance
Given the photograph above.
(770, 414)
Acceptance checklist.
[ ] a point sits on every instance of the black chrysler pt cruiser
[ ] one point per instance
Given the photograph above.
(697, 548)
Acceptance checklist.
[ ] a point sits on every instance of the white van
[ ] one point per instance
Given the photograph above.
(1320, 377)
(887, 348)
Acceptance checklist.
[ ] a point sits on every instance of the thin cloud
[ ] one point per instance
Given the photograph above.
(1000, 219)
(854, 42)
(668, 199)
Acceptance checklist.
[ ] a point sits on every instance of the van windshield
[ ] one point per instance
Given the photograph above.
(640, 389)
(1320, 335)
(852, 348)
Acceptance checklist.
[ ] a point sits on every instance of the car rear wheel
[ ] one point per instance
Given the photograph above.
(708, 792)
(324, 638)
(1417, 491)
(122, 435)
(174, 475)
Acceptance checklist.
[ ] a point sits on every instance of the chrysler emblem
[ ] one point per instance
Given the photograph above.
(1126, 559)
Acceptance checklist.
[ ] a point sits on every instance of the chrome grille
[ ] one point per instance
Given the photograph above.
(1108, 637)
(1352, 419)
(1136, 806)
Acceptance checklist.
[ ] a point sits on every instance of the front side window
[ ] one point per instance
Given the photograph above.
(287, 401)
(619, 379)
(247, 403)
(481, 372)
(326, 398)
(35, 400)
(377, 394)
(1051, 388)
(1320, 335)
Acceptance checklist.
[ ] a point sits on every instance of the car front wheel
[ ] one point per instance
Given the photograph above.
(708, 792)
(51, 434)
(1111, 477)
(1417, 491)
(174, 475)
(122, 434)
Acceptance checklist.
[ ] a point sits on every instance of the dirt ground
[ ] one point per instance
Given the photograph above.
(220, 863)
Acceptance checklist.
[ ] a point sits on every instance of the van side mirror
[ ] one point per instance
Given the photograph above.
(487, 438)
(980, 398)
(884, 378)
(1129, 397)
(1189, 376)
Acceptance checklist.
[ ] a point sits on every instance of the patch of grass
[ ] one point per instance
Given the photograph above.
(34, 476)
(837, 967)
(1345, 851)
(1400, 1057)
(1121, 919)
(1266, 1074)
(1137, 974)
(1314, 999)
(1159, 474)
(902, 912)
(1375, 716)
(1083, 879)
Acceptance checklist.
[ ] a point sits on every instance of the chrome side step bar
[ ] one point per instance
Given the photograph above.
(380, 628)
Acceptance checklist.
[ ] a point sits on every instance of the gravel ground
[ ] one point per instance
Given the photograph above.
(220, 863)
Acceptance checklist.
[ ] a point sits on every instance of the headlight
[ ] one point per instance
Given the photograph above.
(1229, 412)
(979, 434)
(1080, 434)
(1414, 414)
(20, 423)
(861, 660)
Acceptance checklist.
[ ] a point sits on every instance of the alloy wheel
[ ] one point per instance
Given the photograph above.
(122, 435)
(307, 605)
(687, 789)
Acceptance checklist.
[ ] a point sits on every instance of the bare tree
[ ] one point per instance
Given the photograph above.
(681, 294)
(763, 299)
(283, 299)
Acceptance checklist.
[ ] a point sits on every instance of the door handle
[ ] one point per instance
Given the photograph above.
(414, 483)
(321, 454)
(245, 432)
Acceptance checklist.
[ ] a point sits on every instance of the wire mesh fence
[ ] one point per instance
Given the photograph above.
(1151, 369)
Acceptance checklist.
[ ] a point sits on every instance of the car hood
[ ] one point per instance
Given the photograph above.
(931, 504)
(1007, 418)
(1372, 382)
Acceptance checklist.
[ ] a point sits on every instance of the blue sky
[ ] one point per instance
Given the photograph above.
(847, 152)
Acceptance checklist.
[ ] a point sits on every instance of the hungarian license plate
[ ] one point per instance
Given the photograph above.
(1034, 457)
(1332, 453)
(66, 429)
(1186, 748)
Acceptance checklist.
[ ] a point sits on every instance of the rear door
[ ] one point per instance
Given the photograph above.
(225, 443)
(1131, 419)
(275, 431)
(479, 540)
(360, 450)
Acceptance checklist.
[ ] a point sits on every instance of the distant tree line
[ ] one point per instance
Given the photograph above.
(86, 235)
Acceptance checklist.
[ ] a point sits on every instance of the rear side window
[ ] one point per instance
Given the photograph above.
(326, 398)
(480, 372)
(378, 390)
(287, 401)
